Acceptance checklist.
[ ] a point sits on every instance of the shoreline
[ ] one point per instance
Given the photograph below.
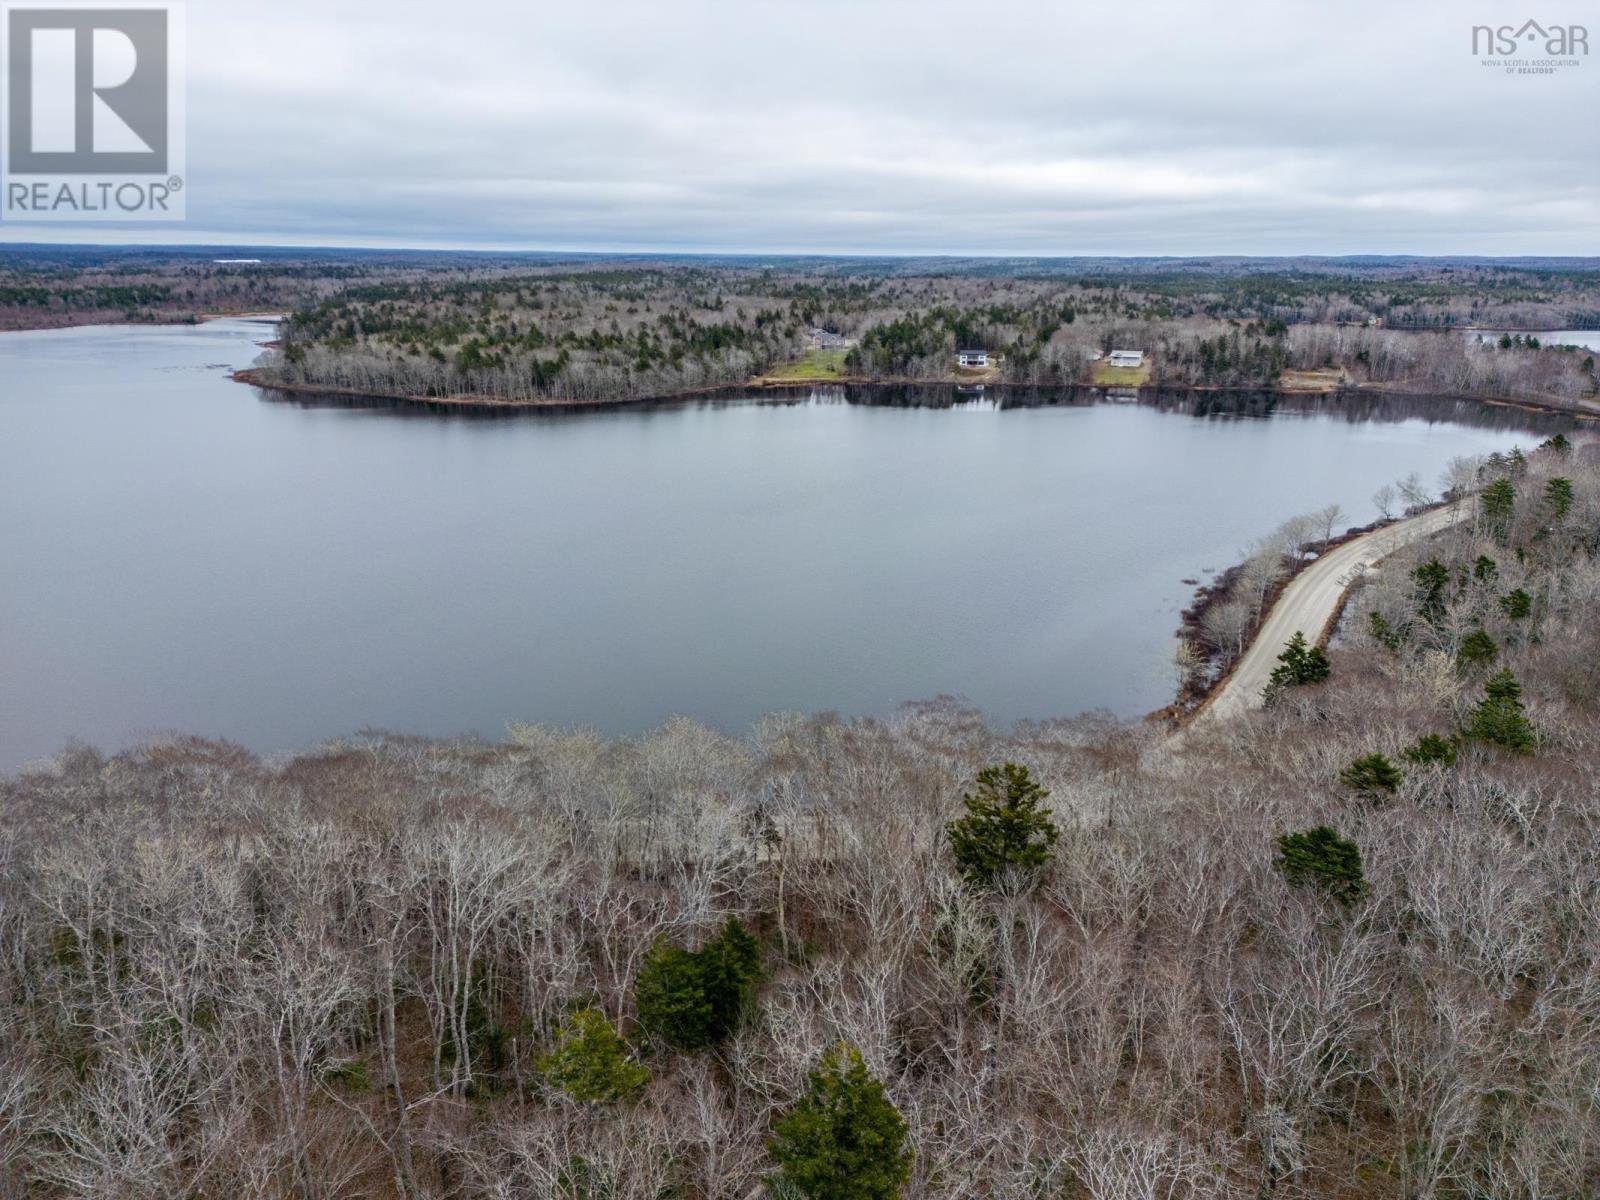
(469, 403)
(1186, 709)
(95, 320)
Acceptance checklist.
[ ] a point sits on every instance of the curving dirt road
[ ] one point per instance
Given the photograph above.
(1311, 598)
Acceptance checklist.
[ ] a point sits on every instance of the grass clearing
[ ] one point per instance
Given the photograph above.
(818, 364)
(1105, 375)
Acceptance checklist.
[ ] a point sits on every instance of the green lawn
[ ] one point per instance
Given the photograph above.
(1108, 376)
(819, 364)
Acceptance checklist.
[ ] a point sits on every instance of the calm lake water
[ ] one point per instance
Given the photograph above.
(1588, 339)
(181, 552)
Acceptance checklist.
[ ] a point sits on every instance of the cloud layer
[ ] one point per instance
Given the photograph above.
(1145, 127)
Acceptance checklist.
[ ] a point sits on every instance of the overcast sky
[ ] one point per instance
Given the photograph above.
(1138, 127)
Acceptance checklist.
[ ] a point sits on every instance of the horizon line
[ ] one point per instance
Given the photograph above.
(950, 255)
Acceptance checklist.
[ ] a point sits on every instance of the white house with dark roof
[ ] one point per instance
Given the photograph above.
(1126, 358)
(972, 358)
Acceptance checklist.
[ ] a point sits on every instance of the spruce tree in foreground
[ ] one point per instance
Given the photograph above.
(1499, 717)
(1298, 665)
(590, 1062)
(1322, 860)
(671, 998)
(844, 1139)
(694, 999)
(1006, 828)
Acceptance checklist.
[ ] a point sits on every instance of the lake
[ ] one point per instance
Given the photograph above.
(186, 553)
(1584, 339)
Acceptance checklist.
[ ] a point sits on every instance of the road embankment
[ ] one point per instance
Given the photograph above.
(1311, 602)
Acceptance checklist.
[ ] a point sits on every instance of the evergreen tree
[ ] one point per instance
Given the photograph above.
(1499, 502)
(1371, 774)
(844, 1139)
(1322, 860)
(730, 971)
(1299, 664)
(1499, 717)
(1477, 649)
(1559, 443)
(694, 999)
(670, 995)
(1006, 829)
(1516, 605)
(1382, 632)
(1558, 499)
(590, 1061)
(1431, 749)
(1485, 569)
(1430, 579)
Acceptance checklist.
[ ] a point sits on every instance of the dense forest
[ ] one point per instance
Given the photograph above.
(527, 329)
(624, 333)
(1348, 946)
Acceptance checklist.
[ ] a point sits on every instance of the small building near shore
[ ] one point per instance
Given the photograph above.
(1126, 358)
(972, 358)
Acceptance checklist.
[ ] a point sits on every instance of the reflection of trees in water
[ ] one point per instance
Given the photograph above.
(1352, 406)
(1242, 403)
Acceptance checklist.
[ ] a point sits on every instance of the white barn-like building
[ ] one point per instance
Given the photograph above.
(1127, 358)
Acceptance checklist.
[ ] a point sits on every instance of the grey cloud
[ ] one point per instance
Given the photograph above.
(1143, 127)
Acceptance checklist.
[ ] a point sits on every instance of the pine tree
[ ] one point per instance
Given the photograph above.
(1382, 632)
(1559, 443)
(1558, 499)
(1299, 664)
(1431, 749)
(1499, 502)
(1430, 579)
(1322, 860)
(844, 1139)
(590, 1061)
(1005, 830)
(1371, 773)
(1477, 649)
(1516, 605)
(730, 970)
(670, 995)
(1499, 717)
(694, 999)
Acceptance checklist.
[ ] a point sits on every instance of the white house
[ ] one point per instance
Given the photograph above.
(973, 358)
(1127, 358)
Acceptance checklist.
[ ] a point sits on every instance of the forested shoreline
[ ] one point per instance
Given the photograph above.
(1346, 947)
(581, 330)
(616, 336)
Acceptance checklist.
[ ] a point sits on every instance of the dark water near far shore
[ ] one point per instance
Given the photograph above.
(181, 552)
